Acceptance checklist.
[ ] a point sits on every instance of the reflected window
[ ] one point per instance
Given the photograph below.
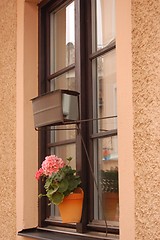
(62, 38)
(106, 30)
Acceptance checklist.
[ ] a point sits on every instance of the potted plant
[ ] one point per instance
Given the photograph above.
(62, 186)
(110, 199)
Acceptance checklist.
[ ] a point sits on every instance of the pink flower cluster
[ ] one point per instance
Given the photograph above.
(51, 164)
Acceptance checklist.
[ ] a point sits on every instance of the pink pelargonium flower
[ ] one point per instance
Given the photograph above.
(52, 164)
(39, 173)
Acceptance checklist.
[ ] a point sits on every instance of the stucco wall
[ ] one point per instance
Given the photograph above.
(146, 103)
(7, 119)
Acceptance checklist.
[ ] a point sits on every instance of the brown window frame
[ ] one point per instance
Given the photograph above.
(84, 57)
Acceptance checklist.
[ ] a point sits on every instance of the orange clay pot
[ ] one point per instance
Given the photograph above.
(111, 205)
(71, 207)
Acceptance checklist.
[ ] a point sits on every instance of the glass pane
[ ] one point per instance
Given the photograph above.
(62, 133)
(63, 152)
(64, 81)
(105, 22)
(106, 169)
(105, 93)
(62, 38)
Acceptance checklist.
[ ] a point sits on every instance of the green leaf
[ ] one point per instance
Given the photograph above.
(74, 184)
(69, 159)
(48, 183)
(54, 187)
(57, 198)
(50, 193)
(63, 185)
(59, 175)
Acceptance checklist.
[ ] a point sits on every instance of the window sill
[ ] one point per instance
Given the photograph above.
(45, 234)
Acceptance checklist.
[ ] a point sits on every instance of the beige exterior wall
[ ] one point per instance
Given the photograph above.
(18, 141)
(146, 104)
(138, 76)
(138, 72)
(27, 88)
(8, 119)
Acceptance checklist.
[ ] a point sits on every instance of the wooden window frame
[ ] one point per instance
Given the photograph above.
(83, 57)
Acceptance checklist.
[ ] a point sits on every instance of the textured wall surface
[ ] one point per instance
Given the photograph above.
(7, 119)
(146, 103)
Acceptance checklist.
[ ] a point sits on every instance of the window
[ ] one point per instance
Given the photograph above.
(77, 51)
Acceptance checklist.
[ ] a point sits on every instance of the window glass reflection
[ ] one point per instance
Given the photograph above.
(62, 38)
(64, 81)
(62, 133)
(105, 18)
(104, 70)
(106, 171)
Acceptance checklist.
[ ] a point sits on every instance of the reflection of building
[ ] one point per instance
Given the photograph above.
(138, 117)
(70, 56)
(70, 59)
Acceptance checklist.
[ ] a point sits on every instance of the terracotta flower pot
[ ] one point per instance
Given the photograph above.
(110, 205)
(71, 207)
